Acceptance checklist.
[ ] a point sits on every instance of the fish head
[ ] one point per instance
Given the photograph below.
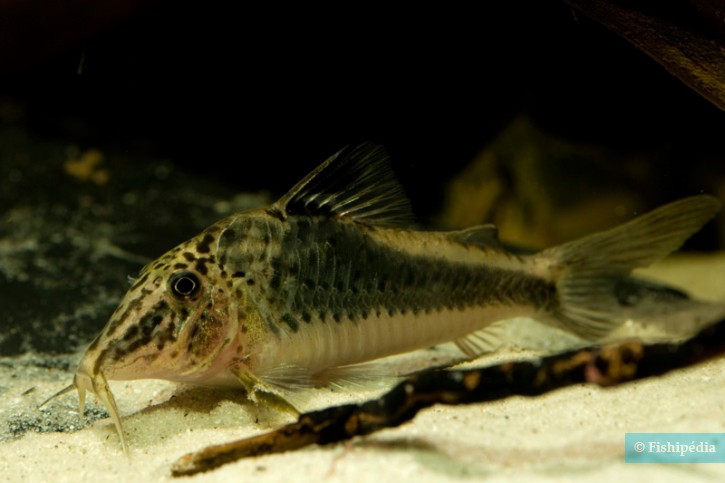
(173, 323)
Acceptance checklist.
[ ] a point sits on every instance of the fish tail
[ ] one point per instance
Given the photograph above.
(585, 271)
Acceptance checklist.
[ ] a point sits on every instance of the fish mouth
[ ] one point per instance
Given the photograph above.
(97, 384)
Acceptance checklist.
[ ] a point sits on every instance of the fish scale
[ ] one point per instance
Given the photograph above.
(334, 275)
(351, 294)
(357, 279)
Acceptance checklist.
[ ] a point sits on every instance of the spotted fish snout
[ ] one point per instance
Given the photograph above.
(96, 383)
(171, 324)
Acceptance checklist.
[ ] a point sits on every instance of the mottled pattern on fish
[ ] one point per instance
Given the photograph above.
(314, 270)
(330, 272)
(333, 275)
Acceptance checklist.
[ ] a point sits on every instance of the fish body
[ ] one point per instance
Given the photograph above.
(333, 275)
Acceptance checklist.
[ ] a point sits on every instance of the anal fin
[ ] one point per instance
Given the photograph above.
(489, 339)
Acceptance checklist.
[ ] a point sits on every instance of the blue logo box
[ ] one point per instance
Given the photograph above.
(674, 448)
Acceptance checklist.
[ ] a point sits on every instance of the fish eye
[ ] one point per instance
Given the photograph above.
(184, 285)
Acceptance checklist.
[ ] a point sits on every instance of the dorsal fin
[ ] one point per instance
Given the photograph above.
(356, 183)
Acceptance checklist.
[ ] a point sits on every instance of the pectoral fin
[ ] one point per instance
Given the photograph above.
(260, 392)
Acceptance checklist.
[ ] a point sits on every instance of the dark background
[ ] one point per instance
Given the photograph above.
(245, 94)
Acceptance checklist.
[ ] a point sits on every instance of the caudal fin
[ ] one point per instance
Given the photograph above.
(587, 269)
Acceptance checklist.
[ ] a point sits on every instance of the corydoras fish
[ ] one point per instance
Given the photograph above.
(333, 275)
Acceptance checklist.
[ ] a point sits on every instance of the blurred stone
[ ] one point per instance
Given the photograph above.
(541, 190)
